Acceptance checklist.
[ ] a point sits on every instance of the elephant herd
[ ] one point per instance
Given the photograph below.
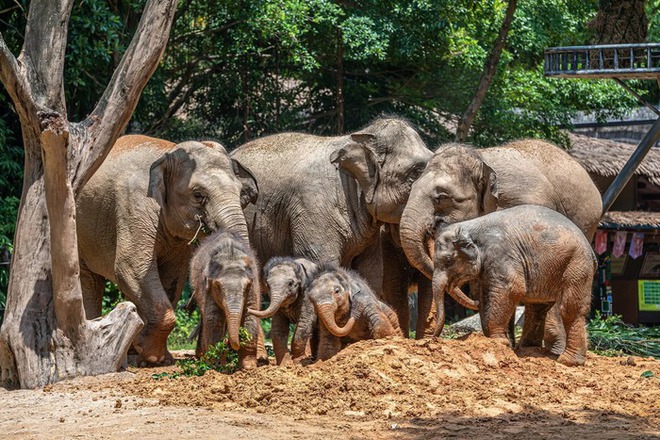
(341, 226)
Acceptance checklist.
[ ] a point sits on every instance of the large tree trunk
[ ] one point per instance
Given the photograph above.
(45, 336)
(487, 76)
(619, 22)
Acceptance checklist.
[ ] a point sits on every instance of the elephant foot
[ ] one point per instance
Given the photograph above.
(285, 360)
(555, 347)
(164, 361)
(503, 339)
(571, 360)
(248, 363)
(151, 345)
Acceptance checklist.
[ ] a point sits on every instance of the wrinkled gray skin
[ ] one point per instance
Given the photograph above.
(348, 308)
(325, 198)
(137, 215)
(225, 278)
(529, 254)
(286, 279)
(461, 183)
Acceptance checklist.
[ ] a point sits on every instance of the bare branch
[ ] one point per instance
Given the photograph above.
(9, 69)
(121, 96)
(487, 76)
(44, 49)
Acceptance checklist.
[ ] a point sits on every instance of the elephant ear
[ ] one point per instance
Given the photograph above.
(249, 187)
(489, 195)
(357, 159)
(465, 247)
(157, 177)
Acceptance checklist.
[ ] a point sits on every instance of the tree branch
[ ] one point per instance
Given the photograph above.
(120, 98)
(9, 70)
(44, 49)
(487, 76)
(61, 205)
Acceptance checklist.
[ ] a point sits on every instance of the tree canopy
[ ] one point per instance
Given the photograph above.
(234, 71)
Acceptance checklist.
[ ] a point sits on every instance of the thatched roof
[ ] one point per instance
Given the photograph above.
(630, 220)
(606, 158)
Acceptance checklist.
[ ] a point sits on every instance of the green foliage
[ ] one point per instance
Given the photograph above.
(220, 357)
(185, 325)
(610, 336)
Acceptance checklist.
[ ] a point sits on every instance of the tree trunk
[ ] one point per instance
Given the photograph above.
(45, 336)
(619, 22)
(487, 76)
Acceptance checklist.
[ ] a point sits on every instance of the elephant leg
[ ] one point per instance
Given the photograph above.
(426, 310)
(93, 287)
(212, 329)
(329, 344)
(280, 335)
(497, 306)
(155, 308)
(576, 341)
(369, 264)
(247, 354)
(305, 328)
(262, 354)
(534, 325)
(554, 333)
(396, 279)
(574, 306)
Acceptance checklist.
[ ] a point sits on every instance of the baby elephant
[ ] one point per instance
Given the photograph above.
(347, 307)
(527, 254)
(286, 279)
(225, 278)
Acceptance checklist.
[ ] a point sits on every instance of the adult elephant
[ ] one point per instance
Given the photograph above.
(138, 215)
(325, 198)
(461, 183)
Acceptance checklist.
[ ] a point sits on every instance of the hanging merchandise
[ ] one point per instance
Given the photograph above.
(636, 245)
(619, 244)
(601, 242)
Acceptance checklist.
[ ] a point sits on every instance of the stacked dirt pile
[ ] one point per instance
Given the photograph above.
(395, 378)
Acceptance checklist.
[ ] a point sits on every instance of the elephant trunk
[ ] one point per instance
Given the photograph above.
(327, 314)
(415, 226)
(229, 216)
(439, 286)
(233, 327)
(276, 301)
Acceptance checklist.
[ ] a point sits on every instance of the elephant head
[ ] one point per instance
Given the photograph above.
(330, 293)
(457, 261)
(286, 279)
(197, 184)
(456, 185)
(384, 159)
(228, 279)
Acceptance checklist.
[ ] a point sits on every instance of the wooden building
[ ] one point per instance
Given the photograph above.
(626, 286)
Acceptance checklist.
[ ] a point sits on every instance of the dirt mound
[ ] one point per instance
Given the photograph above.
(397, 379)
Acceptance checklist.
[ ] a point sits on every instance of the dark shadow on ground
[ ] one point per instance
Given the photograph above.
(531, 423)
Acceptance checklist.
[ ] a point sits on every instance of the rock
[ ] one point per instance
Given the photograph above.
(473, 323)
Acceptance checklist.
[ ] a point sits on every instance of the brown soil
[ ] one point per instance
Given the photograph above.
(472, 388)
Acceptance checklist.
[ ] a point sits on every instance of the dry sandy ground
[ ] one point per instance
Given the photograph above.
(472, 388)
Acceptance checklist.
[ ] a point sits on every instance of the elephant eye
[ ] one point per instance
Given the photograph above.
(291, 283)
(199, 197)
(337, 289)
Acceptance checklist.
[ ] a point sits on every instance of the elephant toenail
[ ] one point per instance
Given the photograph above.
(152, 359)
